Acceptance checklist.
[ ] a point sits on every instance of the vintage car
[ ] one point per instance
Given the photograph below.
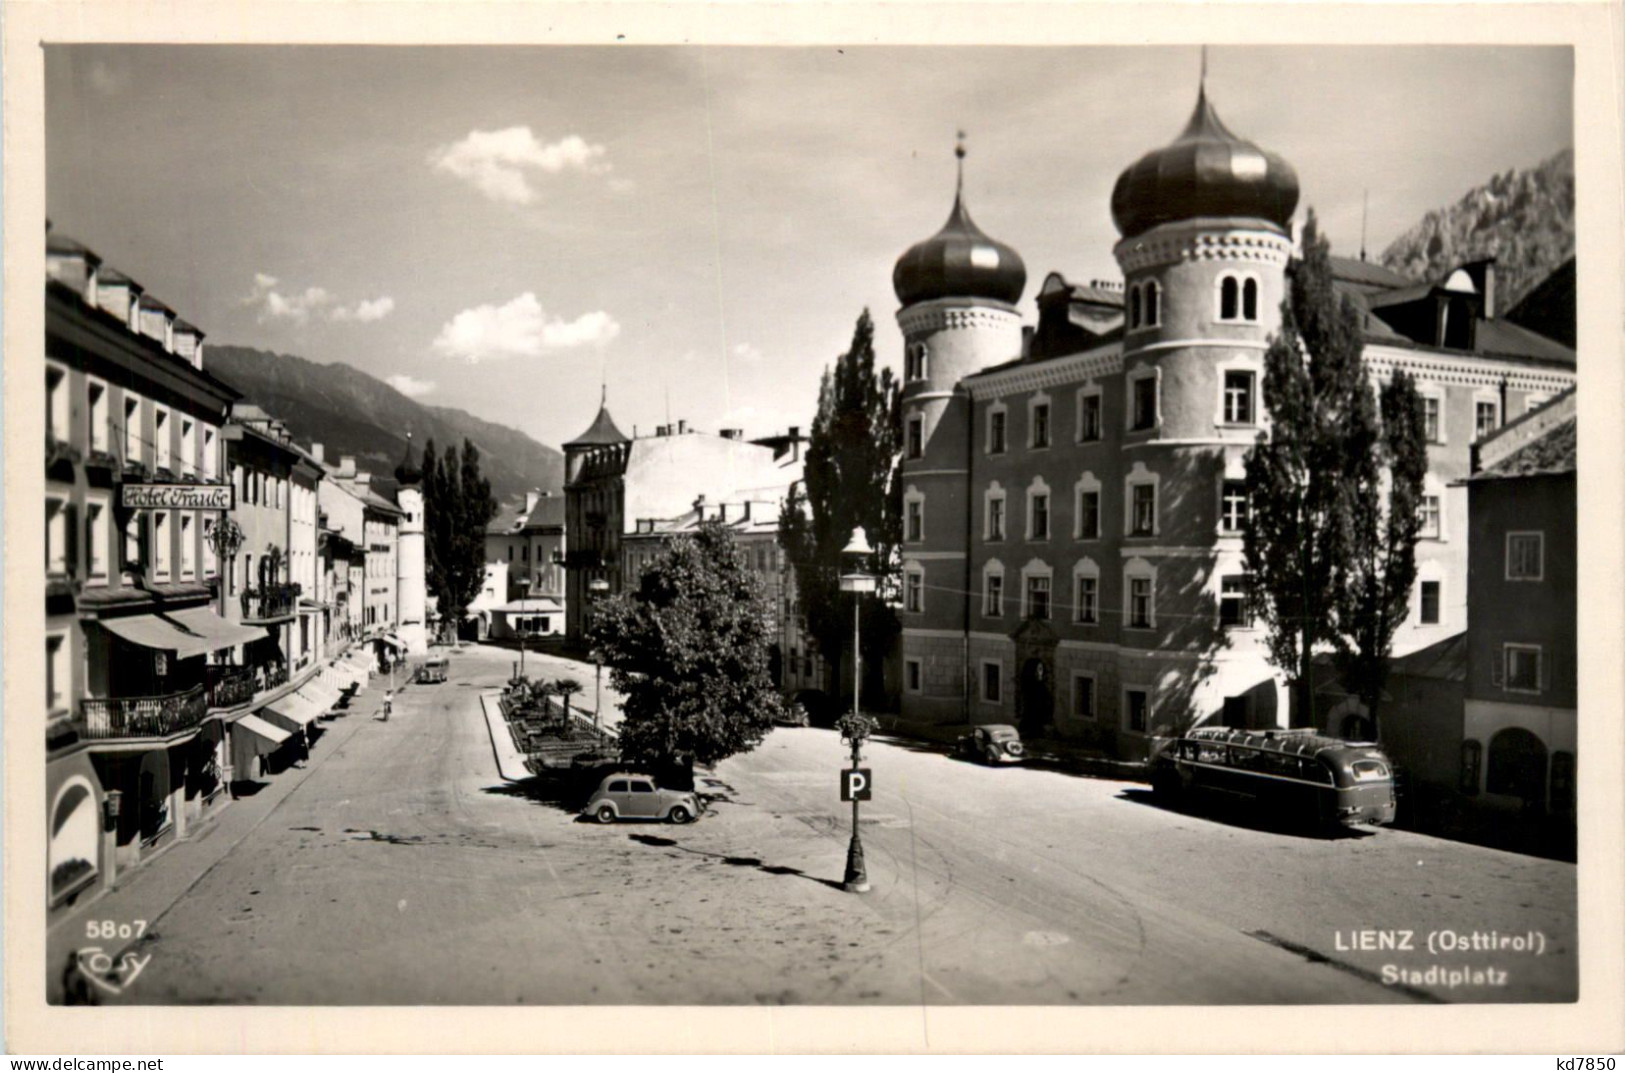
(792, 713)
(626, 796)
(433, 669)
(995, 743)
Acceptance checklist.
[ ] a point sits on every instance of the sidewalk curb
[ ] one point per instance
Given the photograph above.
(505, 771)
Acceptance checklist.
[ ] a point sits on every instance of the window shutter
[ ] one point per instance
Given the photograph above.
(70, 529)
(1498, 668)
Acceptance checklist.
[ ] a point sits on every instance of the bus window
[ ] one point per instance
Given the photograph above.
(1368, 770)
(1210, 752)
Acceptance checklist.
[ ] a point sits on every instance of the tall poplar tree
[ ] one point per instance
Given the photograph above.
(1382, 518)
(457, 506)
(1304, 474)
(852, 477)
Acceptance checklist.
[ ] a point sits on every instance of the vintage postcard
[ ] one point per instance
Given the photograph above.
(677, 527)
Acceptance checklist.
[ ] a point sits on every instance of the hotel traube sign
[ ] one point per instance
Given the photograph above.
(178, 497)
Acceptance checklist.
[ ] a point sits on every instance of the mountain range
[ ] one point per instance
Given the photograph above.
(350, 412)
(1523, 218)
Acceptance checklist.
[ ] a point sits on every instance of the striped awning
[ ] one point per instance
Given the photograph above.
(187, 632)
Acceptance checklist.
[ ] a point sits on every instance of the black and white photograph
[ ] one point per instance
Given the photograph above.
(808, 525)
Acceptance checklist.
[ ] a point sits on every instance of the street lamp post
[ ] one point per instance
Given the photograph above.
(857, 580)
(598, 587)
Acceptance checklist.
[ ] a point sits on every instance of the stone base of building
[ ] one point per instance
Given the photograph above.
(1114, 698)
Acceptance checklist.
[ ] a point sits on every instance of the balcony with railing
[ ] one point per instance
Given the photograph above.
(231, 686)
(270, 603)
(103, 718)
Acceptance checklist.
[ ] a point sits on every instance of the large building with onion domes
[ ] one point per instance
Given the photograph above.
(1072, 490)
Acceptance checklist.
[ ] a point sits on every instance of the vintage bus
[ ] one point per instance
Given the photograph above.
(1300, 775)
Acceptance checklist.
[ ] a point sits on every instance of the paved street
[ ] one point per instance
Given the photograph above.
(403, 870)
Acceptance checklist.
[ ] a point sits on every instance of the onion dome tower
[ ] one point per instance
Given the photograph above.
(1206, 235)
(1206, 224)
(411, 576)
(958, 291)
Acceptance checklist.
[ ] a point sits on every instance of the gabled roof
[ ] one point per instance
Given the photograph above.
(1446, 660)
(1554, 453)
(1367, 275)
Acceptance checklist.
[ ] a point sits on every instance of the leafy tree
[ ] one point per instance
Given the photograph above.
(1309, 477)
(457, 506)
(1382, 518)
(852, 479)
(688, 650)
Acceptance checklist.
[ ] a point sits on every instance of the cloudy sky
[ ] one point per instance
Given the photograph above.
(496, 229)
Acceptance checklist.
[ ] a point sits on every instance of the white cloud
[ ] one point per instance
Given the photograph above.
(410, 386)
(499, 163)
(300, 306)
(521, 328)
(365, 311)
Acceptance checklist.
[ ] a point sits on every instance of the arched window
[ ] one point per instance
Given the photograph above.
(1228, 298)
(1134, 307)
(1249, 300)
(1153, 304)
(74, 836)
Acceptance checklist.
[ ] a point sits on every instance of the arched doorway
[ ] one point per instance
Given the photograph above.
(1037, 699)
(75, 832)
(1517, 766)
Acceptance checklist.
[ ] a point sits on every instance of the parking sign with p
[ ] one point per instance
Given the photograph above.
(856, 784)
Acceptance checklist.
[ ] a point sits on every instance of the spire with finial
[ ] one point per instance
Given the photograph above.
(960, 260)
(408, 472)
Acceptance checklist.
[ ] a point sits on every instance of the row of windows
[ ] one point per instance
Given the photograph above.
(148, 538)
(1239, 405)
(1139, 596)
(1141, 519)
(198, 443)
(1136, 706)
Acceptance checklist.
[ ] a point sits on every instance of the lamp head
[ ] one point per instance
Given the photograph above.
(859, 544)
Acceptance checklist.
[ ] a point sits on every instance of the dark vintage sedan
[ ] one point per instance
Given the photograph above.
(995, 743)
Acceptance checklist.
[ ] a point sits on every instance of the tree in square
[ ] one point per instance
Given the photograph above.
(688, 649)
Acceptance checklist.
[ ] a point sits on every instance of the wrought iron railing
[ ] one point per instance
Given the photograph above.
(142, 717)
(231, 686)
(270, 601)
(273, 675)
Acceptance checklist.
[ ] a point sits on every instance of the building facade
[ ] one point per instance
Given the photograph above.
(1073, 495)
(135, 483)
(1520, 729)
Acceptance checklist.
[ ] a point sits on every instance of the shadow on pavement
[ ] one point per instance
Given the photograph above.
(736, 862)
(553, 792)
(1218, 809)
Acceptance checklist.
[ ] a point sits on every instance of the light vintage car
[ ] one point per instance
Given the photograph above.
(995, 743)
(626, 796)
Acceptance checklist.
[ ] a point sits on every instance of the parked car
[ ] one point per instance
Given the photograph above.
(820, 708)
(995, 743)
(627, 796)
(792, 713)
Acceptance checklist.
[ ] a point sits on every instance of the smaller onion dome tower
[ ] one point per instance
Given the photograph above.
(411, 577)
(958, 291)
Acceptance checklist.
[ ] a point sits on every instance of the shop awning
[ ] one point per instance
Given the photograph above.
(348, 675)
(394, 642)
(319, 695)
(266, 737)
(188, 632)
(292, 712)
